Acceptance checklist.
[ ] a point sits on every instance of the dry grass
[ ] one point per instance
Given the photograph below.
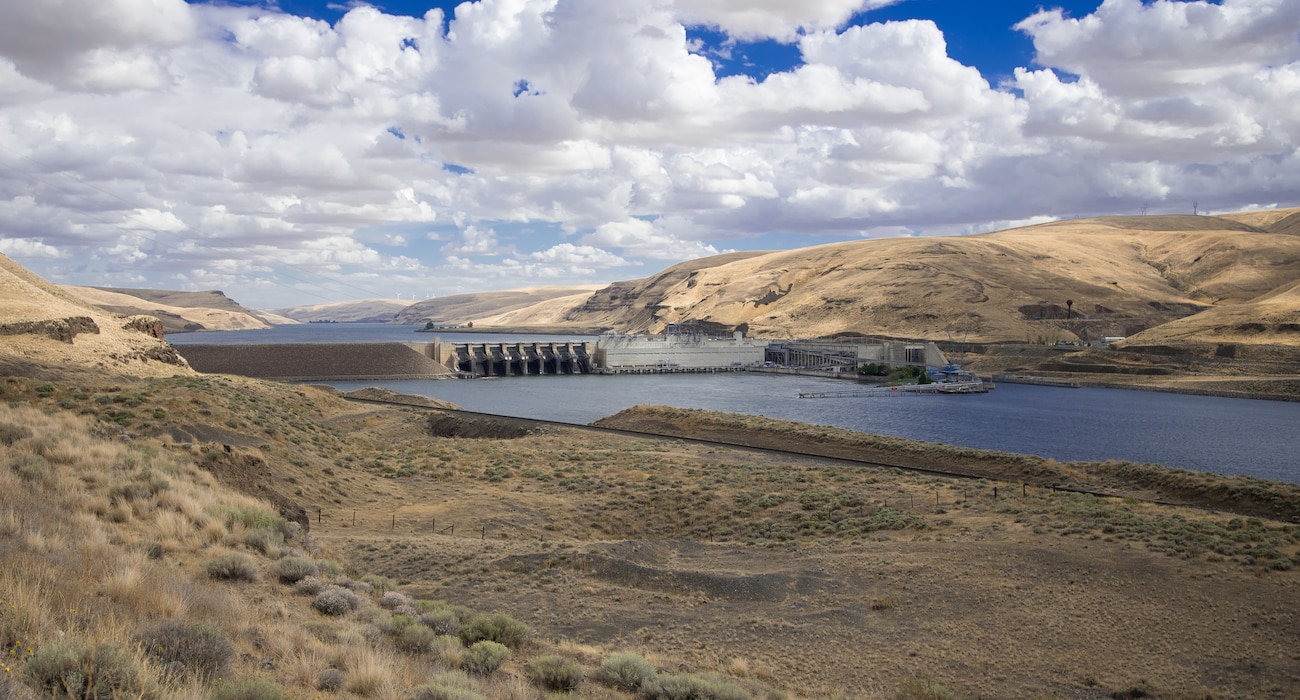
(543, 525)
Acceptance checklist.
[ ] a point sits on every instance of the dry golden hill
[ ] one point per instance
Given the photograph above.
(43, 327)
(364, 311)
(1067, 280)
(461, 309)
(178, 311)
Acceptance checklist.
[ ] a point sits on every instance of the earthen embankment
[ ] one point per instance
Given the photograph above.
(315, 361)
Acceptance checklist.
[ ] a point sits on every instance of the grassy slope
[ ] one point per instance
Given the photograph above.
(89, 529)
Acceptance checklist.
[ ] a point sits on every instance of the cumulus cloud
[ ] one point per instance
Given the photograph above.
(773, 19)
(578, 140)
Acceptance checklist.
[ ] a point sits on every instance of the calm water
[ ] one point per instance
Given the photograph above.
(1227, 436)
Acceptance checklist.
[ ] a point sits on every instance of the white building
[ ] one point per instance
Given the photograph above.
(689, 352)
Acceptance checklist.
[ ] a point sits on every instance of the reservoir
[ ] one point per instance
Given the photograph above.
(1227, 436)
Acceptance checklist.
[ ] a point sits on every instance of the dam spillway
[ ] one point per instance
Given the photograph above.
(517, 359)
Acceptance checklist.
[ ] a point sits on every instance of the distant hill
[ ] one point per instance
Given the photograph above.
(179, 311)
(45, 328)
(1067, 280)
(460, 309)
(364, 311)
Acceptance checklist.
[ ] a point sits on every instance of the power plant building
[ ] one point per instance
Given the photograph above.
(617, 353)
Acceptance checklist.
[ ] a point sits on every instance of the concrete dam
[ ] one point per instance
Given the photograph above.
(436, 360)
(518, 359)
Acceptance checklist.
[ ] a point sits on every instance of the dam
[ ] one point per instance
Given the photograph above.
(515, 359)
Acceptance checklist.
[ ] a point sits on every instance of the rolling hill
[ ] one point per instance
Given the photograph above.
(460, 309)
(43, 327)
(179, 311)
(1068, 280)
(364, 311)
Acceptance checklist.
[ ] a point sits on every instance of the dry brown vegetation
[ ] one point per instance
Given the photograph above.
(1226, 278)
(767, 576)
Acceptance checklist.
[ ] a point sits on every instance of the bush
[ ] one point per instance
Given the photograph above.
(251, 688)
(393, 600)
(330, 680)
(336, 600)
(417, 639)
(294, 569)
(557, 673)
(497, 627)
(625, 671)
(12, 432)
(30, 467)
(309, 585)
(73, 670)
(485, 657)
(442, 621)
(669, 686)
(264, 540)
(449, 685)
(187, 649)
(232, 567)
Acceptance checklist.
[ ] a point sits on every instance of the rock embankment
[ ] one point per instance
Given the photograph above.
(314, 361)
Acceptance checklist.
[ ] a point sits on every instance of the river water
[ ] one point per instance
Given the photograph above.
(1227, 436)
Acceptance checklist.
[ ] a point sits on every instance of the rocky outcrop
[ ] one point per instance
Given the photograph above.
(61, 329)
(149, 325)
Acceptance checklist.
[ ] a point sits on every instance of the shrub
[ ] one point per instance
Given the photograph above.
(448, 651)
(670, 686)
(102, 672)
(187, 649)
(12, 432)
(448, 685)
(336, 600)
(294, 569)
(30, 467)
(416, 639)
(251, 688)
(557, 673)
(485, 657)
(329, 567)
(330, 680)
(232, 567)
(309, 585)
(497, 627)
(264, 540)
(392, 600)
(625, 671)
(442, 621)
(381, 584)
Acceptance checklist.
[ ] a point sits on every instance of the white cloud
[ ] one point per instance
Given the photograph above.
(236, 139)
(643, 239)
(775, 19)
(95, 45)
(28, 248)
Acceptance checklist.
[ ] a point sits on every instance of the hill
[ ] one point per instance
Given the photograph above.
(179, 311)
(45, 329)
(461, 309)
(364, 311)
(1076, 280)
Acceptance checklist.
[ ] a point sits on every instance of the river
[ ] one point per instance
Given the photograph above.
(1227, 436)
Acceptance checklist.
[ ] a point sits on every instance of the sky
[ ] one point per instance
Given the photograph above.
(313, 151)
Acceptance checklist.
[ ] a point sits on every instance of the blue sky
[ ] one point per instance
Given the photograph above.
(310, 152)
